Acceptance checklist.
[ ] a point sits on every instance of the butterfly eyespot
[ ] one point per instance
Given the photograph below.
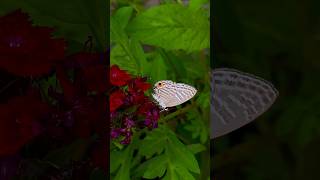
(160, 84)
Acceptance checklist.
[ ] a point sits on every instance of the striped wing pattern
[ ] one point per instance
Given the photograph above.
(237, 98)
(173, 94)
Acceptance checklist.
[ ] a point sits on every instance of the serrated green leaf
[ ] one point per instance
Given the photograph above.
(131, 49)
(196, 148)
(156, 167)
(171, 26)
(154, 143)
(165, 153)
(183, 173)
(171, 174)
(181, 154)
(124, 171)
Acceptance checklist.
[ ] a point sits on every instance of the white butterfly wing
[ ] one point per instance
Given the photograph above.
(180, 94)
(174, 94)
(237, 98)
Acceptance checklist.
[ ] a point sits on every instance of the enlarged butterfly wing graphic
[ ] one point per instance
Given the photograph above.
(237, 98)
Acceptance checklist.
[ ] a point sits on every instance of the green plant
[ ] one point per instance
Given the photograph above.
(167, 41)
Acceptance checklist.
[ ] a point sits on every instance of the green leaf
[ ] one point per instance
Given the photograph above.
(124, 158)
(196, 126)
(138, 53)
(166, 154)
(171, 26)
(154, 143)
(156, 167)
(119, 57)
(131, 49)
(175, 64)
(196, 148)
(196, 4)
(124, 59)
(116, 159)
(157, 68)
(123, 15)
(181, 154)
(204, 99)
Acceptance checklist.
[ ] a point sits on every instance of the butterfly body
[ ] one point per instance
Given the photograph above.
(169, 94)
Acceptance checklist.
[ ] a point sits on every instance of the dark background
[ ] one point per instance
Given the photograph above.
(278, 40)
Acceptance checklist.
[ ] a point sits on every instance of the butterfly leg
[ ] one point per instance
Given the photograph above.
(163, 109)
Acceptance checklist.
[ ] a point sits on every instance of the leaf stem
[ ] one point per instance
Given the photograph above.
(176, 113)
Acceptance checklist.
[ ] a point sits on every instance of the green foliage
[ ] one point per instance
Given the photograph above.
(196, 4)
(198, 129)
(174, 158)
(166, 41)
(171, 26)
(165, 156)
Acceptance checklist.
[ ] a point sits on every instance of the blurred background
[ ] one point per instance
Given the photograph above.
(280, 42)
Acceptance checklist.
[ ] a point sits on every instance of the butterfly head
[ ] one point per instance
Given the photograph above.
(162, 84)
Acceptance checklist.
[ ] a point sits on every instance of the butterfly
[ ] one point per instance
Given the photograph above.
(168, 93)
(237, 98)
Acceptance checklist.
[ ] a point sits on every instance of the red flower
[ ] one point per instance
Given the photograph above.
(136, 97)
(139, 83)
(146, 107)
(116, 100)
(118, 77)
(19, 122)
(26, 50)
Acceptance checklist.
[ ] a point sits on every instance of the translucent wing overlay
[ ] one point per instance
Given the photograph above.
(237, 98)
